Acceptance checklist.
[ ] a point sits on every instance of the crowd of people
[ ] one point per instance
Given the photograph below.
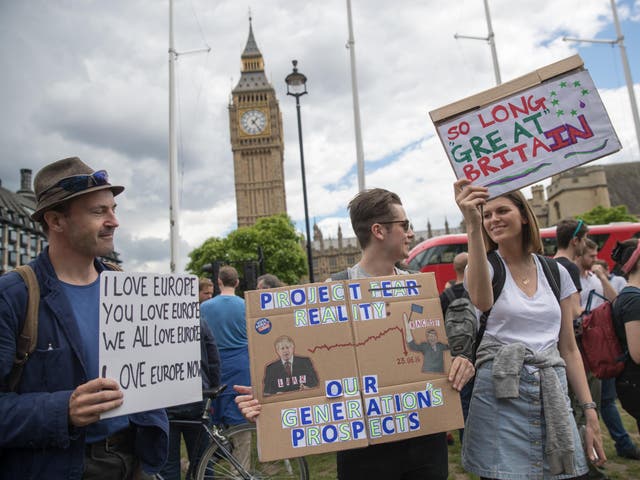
(525, 391)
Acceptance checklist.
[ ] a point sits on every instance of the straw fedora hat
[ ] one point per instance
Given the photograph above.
(65, 179)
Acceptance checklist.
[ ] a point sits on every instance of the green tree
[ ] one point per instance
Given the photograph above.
(601, 215)
(276, 235)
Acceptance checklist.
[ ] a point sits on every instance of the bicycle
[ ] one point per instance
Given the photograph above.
(218, 460)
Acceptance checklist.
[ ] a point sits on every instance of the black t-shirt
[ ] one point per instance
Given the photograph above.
(458, 291)
(627, 309)
(573, 270)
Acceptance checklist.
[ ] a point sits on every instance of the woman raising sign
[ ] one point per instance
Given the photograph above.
(520, 423)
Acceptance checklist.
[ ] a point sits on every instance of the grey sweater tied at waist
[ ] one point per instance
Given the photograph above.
(508, 361)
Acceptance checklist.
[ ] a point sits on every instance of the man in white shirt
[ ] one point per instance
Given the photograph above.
(593, 277)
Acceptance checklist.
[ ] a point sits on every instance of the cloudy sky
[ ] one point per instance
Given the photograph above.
(90, 78)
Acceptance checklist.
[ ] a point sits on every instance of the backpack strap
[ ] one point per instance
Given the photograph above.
(448, 292)
(112, 266)
(28, 338)
(552, 272)
(497, 284)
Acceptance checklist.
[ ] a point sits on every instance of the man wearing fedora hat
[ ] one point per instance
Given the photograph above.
(50, 423)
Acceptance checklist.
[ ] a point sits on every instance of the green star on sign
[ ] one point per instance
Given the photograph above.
(563, 84)
(585, 91)
(574, 113)
(560, 112)
(555, 101)
(577, 83)
(553, 93)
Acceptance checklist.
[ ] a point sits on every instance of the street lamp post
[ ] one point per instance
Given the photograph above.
(296, 87)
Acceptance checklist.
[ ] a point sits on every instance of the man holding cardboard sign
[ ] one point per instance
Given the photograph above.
(385, 235)
(50, 423)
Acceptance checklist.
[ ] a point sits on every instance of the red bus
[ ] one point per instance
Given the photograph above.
(436, 254)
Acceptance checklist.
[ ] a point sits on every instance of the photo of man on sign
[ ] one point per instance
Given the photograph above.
(432, 350)
(290, 372)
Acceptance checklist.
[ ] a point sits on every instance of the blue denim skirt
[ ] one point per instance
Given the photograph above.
(505, 438)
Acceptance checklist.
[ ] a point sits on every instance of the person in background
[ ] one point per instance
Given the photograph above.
(205, 290)
(571, 236)
(593, 277)
(210, 374)
(225, 315)
(527, 353)
(626, 312)
(608, 409)
(268, 281)
(50, 424)
(616, 281)
(455, 291)
(384, 234)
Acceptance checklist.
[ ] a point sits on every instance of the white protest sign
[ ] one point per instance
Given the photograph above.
(150, 339)
(523, 138)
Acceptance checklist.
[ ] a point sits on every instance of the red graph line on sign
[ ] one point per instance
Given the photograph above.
(365, 341)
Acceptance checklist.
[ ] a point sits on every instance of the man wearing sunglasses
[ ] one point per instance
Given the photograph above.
(50, 423)
(384, 234)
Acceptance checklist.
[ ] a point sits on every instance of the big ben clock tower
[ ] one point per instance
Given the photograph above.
(255, 123)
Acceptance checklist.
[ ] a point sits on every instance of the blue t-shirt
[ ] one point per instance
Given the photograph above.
(225, 315)
(85, 303)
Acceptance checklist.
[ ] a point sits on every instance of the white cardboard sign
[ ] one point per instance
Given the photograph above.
(150, 339)
(534, 134)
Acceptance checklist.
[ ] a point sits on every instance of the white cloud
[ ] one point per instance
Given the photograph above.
(92, 81)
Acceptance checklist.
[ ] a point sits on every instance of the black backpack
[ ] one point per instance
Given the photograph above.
(551, 272)
(460, 323)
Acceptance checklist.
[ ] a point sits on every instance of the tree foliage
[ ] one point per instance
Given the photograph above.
(281, 248)
(602, 215)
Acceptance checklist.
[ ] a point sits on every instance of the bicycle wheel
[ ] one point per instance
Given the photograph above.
(214, 464)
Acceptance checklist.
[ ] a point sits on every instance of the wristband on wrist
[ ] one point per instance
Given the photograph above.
(588, 405)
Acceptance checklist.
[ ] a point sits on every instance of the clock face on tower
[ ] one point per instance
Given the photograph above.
(253, 122)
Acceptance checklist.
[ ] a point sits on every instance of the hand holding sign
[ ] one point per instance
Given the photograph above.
(90, 400)
(469, 199)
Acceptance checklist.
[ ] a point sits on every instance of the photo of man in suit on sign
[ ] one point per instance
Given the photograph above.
(290, 372)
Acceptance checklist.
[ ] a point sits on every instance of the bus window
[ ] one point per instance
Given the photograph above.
(549, 246)
(417, 261)
(600, 239)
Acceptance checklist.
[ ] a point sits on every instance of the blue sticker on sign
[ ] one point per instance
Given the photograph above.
(263, 326)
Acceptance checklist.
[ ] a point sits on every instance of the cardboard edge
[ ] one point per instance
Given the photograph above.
(507, 89)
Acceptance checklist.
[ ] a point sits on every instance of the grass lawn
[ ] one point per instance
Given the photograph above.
(323, 467)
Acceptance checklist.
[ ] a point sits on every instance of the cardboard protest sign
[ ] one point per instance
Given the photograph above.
(528, 129)
(150, 339)
(341, 365)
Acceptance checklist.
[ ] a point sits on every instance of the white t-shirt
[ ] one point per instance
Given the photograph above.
(590, 282)
(617, 282)
(532, 321)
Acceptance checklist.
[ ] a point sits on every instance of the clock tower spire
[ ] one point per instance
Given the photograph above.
(255, 124)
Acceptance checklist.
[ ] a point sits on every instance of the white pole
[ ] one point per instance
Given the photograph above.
(627, 71)
(490, 38)
(351, 45)
(173, 153)
(492, 44)
(625, 64)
